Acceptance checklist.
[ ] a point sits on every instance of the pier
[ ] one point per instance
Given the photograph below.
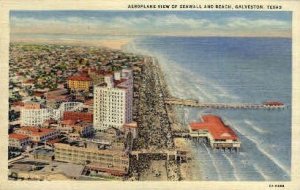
(196, 103)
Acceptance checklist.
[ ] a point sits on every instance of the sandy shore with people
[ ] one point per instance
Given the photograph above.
(188, 170)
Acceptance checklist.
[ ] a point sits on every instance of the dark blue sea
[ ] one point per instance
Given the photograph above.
(215, 69)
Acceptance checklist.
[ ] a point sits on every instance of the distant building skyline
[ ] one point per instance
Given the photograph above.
(151, 23)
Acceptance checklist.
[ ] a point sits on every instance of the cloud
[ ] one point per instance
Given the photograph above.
(237, 23)
(169, 24)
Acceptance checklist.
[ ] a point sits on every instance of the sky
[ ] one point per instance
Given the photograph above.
(154, 23)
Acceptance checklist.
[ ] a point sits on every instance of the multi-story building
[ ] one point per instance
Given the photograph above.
(113, 101)
(36, 116)
(38, 134)
(18, 141)
(43, 154)
(111, 161)
(76, 128)
(33, 114)
(80, 83)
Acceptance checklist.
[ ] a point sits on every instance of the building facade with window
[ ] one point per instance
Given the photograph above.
(79, 83)
(111, 161)
(18, 141)
(33, 114)
(113, 101)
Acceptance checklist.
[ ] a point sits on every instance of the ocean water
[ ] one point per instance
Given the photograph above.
(215, 69)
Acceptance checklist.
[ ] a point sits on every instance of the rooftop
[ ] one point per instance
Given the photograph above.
(101, 72)
(45, 152)
(80, 78)
(89, 102)
(92, 150)
(83, 116)
(131, 125)
(215, 126)
(17, 136)
(119, 82)
(71, 170)
(68, 122)
(37, 131)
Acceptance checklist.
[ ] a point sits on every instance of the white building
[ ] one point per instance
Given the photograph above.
(34, 117)
(33, 114)
(113, 101)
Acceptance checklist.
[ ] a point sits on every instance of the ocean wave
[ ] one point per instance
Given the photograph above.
(234, 170)
(254, 127)
(182, 79)
(272, 158)
(263, 175)
(213, 162)
(255, 158)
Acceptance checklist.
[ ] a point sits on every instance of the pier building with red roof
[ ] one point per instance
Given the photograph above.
(218, 134)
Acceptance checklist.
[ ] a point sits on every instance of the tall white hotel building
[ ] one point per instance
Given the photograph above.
(113, 100)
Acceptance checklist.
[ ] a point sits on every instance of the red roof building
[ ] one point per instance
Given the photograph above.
(79, 83)
(79, 78)
(19, 141)
(75, 127)
(218, 134)
(19, 103)
(18, 136)
(38, 134)
(82, 116)
(68, 122)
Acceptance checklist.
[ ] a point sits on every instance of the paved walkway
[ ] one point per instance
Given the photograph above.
(156, 171)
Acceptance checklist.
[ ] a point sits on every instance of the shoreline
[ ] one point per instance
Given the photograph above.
(114, 44)
(179, 171)
(183, 144)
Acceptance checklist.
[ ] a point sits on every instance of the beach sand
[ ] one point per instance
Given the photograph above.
(116, 44)
(190, 170)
